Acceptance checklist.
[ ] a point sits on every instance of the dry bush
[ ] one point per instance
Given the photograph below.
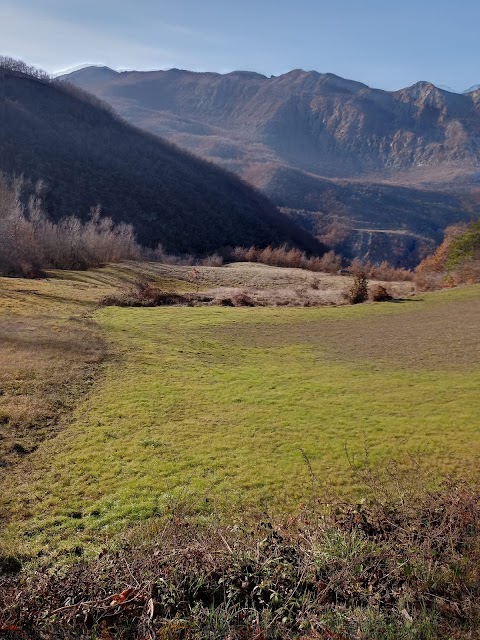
(159, 254)
(242, 299)
(433, 272)
(402, 564)
(384, 272)
(215, 260)
(426, 280)
(358, 292)
(379, 293)
(280, 297)
(330, 262)
(31, 242)
(387, 273)
(466, 273)
(144, 293)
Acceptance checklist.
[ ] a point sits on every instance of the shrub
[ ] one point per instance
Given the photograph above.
(404, 563)
(146, 294)
(242, 299)
(378, 293)
(358, 292)
(465, 247)
(456, 261)
(215, 260)
(31, 242)
(330, 262)
(386, 272)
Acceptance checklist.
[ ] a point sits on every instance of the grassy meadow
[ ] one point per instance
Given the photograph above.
(220, 409)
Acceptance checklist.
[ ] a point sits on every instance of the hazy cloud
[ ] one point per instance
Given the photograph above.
(55, 43)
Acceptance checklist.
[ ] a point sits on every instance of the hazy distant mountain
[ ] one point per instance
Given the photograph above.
(445, 87)
(406, 159)
(318, 122)
(475, 87)
(87, 155)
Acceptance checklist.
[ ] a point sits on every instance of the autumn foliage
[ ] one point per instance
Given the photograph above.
(456, 261)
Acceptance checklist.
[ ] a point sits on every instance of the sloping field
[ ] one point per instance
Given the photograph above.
(228, 408)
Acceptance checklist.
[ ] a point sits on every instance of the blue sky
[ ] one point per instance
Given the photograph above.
(384, 43)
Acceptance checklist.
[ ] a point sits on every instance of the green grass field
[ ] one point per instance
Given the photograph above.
(218, 408)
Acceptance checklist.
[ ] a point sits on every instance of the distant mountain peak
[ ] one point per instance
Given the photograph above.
(342, 83)
(421, 85)
(247, 74)
(92, 73)
(99, 68)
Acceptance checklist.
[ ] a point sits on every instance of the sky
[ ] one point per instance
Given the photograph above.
(387, 44)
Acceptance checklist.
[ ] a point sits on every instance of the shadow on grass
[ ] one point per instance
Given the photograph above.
(401, 300)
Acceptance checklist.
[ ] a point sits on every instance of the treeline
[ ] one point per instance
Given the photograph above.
(330, 262)
(456, 261)
(18, 66)
(30, 242)
(287, 257)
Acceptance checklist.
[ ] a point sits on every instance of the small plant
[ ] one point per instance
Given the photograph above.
(146, 294)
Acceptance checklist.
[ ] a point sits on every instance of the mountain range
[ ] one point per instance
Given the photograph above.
(385, 171)
(86, 155)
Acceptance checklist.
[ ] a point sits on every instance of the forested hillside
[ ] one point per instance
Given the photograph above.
(85, 155)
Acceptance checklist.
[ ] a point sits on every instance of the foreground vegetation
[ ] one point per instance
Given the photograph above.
(404, 566)
(456, 261)
(30, 242)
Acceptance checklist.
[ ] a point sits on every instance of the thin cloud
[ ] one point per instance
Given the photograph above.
(52, 42)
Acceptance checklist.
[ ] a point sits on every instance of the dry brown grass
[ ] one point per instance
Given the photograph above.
(50, 350)
(46, 362)
(265, 285)
(299, 296)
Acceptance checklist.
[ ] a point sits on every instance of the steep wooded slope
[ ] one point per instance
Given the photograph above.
(86, 155)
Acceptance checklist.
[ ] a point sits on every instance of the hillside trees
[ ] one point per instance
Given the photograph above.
(456, 260)
(86, 154)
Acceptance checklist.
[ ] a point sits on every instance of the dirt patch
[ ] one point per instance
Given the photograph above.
(50, 351)
(427, 337)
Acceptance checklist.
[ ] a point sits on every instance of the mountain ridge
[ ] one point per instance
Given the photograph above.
(68, 74)
(413, 153)
(329, 111)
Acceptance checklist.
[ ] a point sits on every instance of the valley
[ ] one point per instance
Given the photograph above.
(320, 146)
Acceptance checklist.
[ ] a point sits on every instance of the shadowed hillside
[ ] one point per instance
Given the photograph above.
(86, 156)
